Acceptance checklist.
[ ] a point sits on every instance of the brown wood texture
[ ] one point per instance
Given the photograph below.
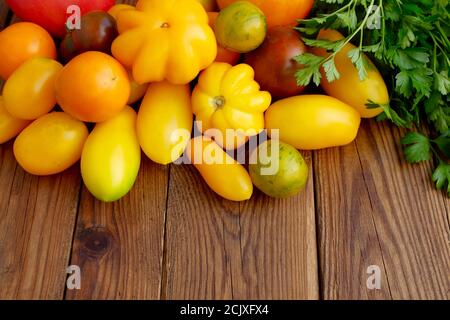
(173, 238)
(375, 209)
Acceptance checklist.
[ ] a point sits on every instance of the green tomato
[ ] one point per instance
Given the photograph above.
(111, 157)
(241, 27)
(280, 170)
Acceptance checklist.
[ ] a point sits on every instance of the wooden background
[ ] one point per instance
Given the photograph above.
(172, 238)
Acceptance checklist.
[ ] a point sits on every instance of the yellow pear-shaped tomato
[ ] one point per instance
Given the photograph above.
(111, 157)
(30, 91)
(228, 97)
(349, 88)
(311, 122)
(168, 39)
(9, 126)
(224, 175)
(51, 144)
(165, 121)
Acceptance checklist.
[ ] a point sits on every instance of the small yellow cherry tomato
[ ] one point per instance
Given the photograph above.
(114, 11)
(311, 122)
(30, 91)
(224, 175)
(51, 144)
(137, 90)
(112, 157)
(349, 88)
(165, 121)
(9, 126)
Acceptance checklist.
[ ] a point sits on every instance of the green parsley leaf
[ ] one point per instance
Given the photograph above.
(418, 147)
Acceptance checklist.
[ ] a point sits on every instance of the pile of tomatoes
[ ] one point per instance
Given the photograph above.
(174, 61)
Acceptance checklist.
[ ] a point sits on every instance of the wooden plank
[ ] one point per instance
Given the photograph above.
(217, 249)
(37, 216)
(119, 246)
(375, 209)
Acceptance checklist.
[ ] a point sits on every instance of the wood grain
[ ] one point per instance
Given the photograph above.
(119, 246)
(218, 249)
(375, 209)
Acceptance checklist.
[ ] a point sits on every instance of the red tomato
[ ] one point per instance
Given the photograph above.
(52, 14)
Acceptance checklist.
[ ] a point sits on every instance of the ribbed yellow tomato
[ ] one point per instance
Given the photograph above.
(9, 126)
(311, 122)
(223, 174)
(349, 88)
(168, 39)
(30, 91)
(111, 157)
(227, 98)
(51, 144)
(165, 121)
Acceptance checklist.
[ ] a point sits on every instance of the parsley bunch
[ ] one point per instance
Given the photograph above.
(409, 42)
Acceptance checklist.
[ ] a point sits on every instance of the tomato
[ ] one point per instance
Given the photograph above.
(241, 27)
(373, 88)
(165, 40)
(98, 31)
(111, 157)
(20, 42)
(165, 121)
(279, 170)
(224, 175)
(9, 126)
(223, 55)
(228, 97)
(312, 122)
(279, 12)
(30, 91)
(51, 144)
(274, 63)
(52, 14)
(114, 11)
(209, 5)
(137, 90)
(93, 87)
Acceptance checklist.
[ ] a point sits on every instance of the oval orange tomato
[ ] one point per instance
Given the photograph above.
(93, 87)
(51, 144)
(279, 12)
(20, 42)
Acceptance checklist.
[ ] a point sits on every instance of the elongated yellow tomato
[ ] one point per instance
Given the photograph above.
(228, 97)
(349, 88)
(111, 157)
(51, 144)
(30, 91)
(168, 39)
(223, 174)
(311, 122)
(9, 126)
(165, 121)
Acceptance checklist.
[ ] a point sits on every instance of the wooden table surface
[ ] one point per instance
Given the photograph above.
(173, 238)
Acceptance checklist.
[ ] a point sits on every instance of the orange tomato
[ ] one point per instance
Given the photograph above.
(93, 87)
(279, 12)
(20, 42)
(223, 55)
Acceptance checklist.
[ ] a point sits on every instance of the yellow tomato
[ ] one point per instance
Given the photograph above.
(111, 157)
(311, 122)
(165, 121)
(165, 40)
(30, 91)
(9, 126)
(223, 174)
(137, 90)
(114, 11)
(51, 144)
(349, 88)
(228, 97)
